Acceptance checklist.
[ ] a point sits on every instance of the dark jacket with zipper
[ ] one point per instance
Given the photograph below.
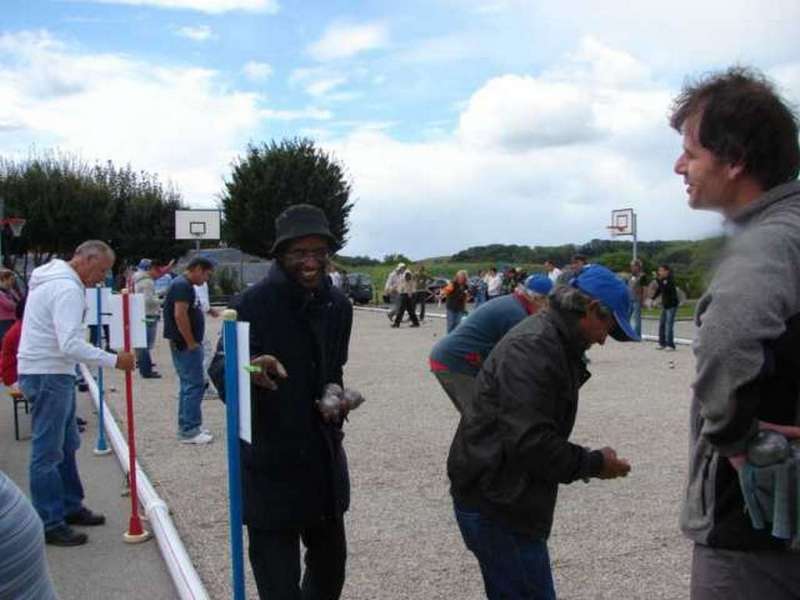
(668, 292)
(511, 449)
(748, 365)
(294, 474)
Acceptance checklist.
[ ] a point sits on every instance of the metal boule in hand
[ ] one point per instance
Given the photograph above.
(768, 448)
(352, 398)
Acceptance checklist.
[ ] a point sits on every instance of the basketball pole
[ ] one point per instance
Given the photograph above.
(635, 234)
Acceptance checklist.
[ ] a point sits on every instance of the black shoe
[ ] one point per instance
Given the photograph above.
(85, 517)
(152, 375)
(415, 325)
(395, 324)
(83, 387)
(64, 535)
(80, 422)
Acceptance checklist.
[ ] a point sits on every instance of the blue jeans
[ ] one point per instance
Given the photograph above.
(666, 327)
(636, 316)
(143, 359)
(514, 566)
(454, 318)
(56, 489)
(189, 367)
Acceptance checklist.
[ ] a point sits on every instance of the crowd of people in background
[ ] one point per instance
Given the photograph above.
(408, 290)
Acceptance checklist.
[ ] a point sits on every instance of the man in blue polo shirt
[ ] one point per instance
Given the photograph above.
(184, 327)
(456, 358)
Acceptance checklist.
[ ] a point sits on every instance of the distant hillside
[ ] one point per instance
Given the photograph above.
(691, 261)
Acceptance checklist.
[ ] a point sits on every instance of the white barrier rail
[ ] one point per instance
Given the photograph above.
(187, 581)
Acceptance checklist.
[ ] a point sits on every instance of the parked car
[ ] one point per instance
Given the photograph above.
(359, 288)
(435, 286)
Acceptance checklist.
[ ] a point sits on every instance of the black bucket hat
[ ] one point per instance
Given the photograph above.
(298, 221)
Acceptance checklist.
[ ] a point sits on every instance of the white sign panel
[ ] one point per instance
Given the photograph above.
(243, 354)
(90, 316)
(137, 317)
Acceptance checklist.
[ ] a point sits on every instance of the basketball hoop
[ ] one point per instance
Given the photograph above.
(16, 224)
(616, 230)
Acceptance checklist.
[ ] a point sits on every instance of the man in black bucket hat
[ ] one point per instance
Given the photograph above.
(294, 474)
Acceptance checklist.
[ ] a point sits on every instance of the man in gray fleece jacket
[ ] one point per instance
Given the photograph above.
(741, 158)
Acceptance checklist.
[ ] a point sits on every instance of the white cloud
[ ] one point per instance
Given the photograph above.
(257, 71)
(595, 93)
(322, 86)
(343, 40)
(206, 6)
(321, 82)
(183, 123)
(517, 113)
(312, 113)
(534, 160)
(197, 33)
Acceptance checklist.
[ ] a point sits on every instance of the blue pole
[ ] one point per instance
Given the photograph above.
(234, 474)
(102, 446)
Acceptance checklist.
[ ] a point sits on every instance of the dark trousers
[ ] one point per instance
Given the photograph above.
(406, 304)
(666, 327)
(275, 559)
(420, 299)
(514, 566)
(731, 575)
(459, 387)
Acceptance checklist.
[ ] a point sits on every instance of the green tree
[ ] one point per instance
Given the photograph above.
(397, 257)
(66, 201)
(270, 178)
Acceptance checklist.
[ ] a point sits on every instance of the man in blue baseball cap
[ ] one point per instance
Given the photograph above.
(511, 449)
(456, 358)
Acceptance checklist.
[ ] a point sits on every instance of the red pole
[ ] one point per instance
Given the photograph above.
(136, 532)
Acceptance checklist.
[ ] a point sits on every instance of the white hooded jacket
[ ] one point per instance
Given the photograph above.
(53, 336)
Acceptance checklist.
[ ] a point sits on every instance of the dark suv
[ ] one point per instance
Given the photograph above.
(359, 288)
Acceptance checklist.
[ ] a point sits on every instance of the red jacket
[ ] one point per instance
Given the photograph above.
(8, 353)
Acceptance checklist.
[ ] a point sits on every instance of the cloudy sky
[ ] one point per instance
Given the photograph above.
(460, 122)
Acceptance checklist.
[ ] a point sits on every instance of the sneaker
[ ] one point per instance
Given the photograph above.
(660, 347)
(415, 325)
(152, 375)
(201, 438)
(670, 348)
(64, 535)
(85, 517)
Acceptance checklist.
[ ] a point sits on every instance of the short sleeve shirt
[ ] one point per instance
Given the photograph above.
(182, 290)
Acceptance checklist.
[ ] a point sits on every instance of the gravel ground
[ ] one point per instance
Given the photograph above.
(612, 540)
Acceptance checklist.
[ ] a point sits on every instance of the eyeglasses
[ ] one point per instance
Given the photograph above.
(315, 253)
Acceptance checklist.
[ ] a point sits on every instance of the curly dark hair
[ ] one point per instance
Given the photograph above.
(743, 120)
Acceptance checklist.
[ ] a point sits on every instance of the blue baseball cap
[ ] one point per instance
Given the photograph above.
(539, 284)
(145, 264)
(602, 284)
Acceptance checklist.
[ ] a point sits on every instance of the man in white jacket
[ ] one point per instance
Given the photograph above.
(53, 340)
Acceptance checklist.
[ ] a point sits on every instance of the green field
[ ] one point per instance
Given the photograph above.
(685, 311)
(379, 273)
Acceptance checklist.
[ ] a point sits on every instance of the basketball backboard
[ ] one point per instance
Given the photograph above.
(623, 222)
(197, 224)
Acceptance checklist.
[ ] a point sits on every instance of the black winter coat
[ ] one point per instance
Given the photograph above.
(668, 292)
(295, 472)
(511, 449)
